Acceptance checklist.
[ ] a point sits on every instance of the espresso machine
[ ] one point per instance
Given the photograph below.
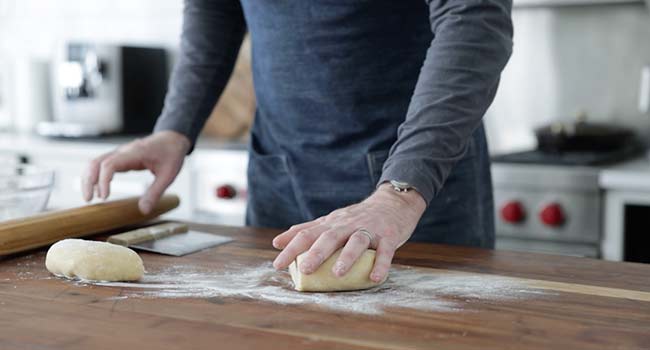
(100, 89)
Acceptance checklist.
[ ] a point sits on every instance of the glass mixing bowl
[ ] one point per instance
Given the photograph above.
(24, 190)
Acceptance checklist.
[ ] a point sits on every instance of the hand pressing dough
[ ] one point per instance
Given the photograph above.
(92, 260)
(324, 280)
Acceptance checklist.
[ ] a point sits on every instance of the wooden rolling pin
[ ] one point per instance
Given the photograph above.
(43, 229)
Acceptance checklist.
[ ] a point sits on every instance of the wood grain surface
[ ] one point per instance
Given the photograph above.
(593, 305)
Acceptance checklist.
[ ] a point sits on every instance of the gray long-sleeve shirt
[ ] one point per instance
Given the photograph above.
(335, 79)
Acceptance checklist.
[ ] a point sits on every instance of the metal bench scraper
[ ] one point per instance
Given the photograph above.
(169, 238)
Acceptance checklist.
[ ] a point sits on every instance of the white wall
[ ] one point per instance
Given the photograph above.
(30, 31)
(33, 27)
(568, 59)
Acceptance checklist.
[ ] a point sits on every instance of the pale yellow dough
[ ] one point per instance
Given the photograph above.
(323, 280)
(92, 260)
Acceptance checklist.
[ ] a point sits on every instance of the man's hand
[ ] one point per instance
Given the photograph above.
(161, 153)
(388, 217)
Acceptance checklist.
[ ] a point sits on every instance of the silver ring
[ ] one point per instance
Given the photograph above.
(367, 233)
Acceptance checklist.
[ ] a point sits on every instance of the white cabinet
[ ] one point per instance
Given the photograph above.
(219, 185)
(67, 179)
(627, 206)
(212, 184)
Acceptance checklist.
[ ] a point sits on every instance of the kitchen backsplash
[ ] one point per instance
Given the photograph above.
(567, 60)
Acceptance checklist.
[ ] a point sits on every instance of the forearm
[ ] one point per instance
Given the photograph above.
(456, 85)
(212, 34)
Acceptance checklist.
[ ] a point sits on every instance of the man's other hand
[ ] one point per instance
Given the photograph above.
(161, 153)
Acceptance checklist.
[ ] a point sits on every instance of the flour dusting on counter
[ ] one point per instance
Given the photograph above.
(411, 288)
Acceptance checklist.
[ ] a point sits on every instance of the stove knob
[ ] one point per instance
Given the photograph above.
(552, 215)
(225, 192)
(513, 212)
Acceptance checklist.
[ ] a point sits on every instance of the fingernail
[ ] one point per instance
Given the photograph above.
(146, 206)
(339, 269)
(375, 277)
(306, 268)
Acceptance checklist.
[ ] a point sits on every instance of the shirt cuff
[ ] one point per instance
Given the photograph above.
(415, 172)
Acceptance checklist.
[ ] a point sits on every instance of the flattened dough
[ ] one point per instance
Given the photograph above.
(92, 260)
(323, 280)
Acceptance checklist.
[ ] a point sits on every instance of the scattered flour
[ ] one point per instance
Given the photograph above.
(411, 288)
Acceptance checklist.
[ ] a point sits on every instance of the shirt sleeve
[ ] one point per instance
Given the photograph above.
(458, 80)
(212, 34)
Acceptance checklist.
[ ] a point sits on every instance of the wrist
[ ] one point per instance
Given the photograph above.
(175, 138)
(412, 199)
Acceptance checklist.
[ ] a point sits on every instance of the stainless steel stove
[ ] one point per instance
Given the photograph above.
(551, 202)
(547, 208)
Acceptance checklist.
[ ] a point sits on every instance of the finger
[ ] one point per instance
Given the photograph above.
(90, 177)
(299, 244)
(326, 244)
(356, 245)
(116, 162)
(106, 171)
(383, 258)
(155, 191)
(280, 241)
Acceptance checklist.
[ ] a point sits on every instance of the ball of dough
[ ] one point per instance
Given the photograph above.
(324, 280)
(94, 261)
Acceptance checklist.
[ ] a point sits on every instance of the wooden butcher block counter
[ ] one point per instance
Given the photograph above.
(228, 297)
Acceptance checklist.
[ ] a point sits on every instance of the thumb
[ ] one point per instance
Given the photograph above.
(154, 192)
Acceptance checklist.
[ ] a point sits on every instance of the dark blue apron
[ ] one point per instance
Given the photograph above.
(333, 81)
